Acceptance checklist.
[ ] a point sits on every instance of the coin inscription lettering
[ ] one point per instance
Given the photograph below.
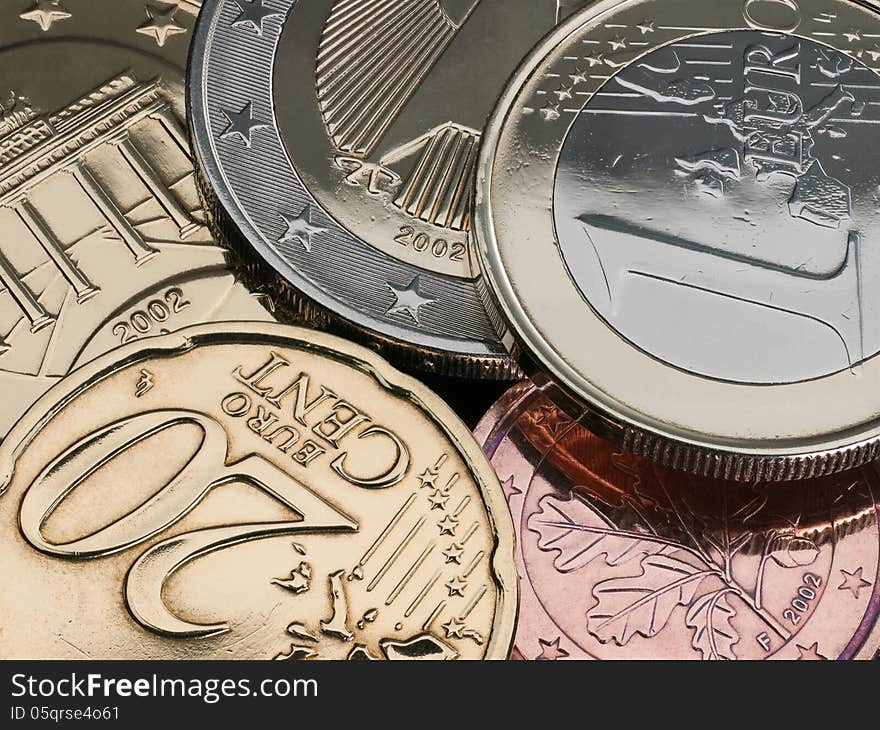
(372, 130)
(285, 520)
(623, 559)
(704, 207)
(751, 155)
(102, 238)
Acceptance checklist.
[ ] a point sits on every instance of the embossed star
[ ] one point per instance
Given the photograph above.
(618, 44)
(160, 23)
(595, 59)
(409, 300)
(448, 525)
(428, 478)
(874, 53)
(438, 499)
(509, 489)
(810, 653)
(646, 27)
(579, 76)
(853, 35)
(252, 15)
(45, 12)
(454, 628)
(456, 586)
(551, 419)
(853, 582)
(241, 124)
(301, 229)
(551, 112)
(564, 92)
(453, 554)
(550, 650)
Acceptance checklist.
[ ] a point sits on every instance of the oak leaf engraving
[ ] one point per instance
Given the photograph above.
(791, 551)
(580, 535)
(710, 617)
(643, 604)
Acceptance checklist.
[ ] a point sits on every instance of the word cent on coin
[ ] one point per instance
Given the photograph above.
(310, 502)
(102, 237)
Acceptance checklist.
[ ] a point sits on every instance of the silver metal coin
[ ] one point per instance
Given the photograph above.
(337, 140)
(679, 204)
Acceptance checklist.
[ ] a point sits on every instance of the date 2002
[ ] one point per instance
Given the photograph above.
(439, 248)
(145, 321)
(800, 604)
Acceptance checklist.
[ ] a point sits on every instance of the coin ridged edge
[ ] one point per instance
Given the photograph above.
(295, 307)
(705, 462)
(396, 382)
(679, 454)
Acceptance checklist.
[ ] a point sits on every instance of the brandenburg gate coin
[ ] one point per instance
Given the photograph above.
(620, 558)
(102, 239)
(250, 491)
(676, 213)
(337, 142)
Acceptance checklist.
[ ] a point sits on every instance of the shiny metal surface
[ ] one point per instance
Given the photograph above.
(310, 502)
(364, 120)
(675, 203)
(102, 238)
(622, 559)
(722, 184)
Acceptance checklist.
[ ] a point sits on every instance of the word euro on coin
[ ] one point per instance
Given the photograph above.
(690, 188)
(102, 240)
(309, 502)
(620, 558)
(337, 142)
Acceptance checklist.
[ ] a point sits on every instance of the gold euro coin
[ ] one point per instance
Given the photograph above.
(102, 236)
(250, 491)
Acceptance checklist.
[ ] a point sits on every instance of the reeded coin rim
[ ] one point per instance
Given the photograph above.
(441, 353)
(396, 383)
(633, 396)
(505, 415)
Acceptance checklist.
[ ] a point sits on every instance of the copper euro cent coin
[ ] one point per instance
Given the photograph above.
(102, 237)
(676, 214)
(620, 558)
(337, 143)
(250, 491)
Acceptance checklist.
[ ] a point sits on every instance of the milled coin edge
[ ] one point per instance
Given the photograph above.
(361, 359)
(304, 302)
(671, 449)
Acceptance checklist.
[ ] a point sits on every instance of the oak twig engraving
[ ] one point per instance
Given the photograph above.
(643, 577)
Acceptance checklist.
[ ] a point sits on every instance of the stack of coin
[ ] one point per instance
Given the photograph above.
(229, 228)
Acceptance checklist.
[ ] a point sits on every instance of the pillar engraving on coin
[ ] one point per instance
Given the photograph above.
(309, 503)
(367, 117)
(623, 559)
(102, 237)
(678, 213)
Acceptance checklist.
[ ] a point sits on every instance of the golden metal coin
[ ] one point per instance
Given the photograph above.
(250, 491)
(102, 239)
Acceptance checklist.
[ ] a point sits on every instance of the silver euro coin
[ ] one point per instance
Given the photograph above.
(337, 143)
(677, 214)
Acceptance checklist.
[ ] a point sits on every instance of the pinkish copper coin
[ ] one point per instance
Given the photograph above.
(622, 559)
